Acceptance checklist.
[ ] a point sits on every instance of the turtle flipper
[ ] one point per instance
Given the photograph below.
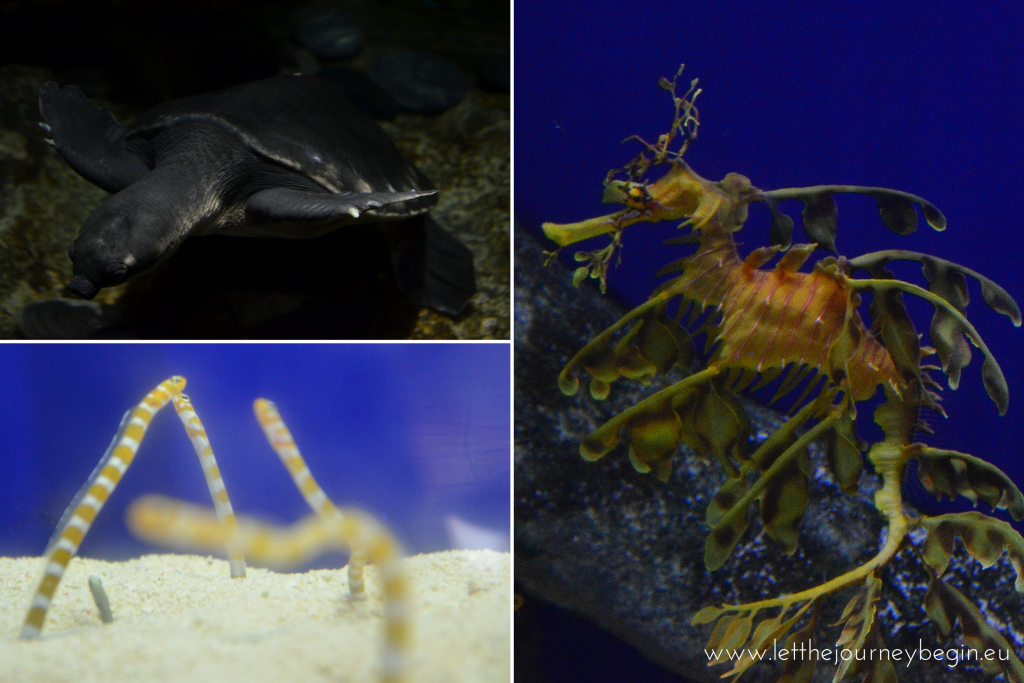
(284, 205)
(433, 268)
(89, 139)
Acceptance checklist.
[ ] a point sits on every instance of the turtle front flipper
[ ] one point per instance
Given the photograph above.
(432, 267)
(281, 205)
(89, 138)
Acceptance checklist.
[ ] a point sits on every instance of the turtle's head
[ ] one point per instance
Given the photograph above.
(119, 240)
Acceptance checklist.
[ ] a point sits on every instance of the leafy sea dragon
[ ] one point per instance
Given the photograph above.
(763, 323)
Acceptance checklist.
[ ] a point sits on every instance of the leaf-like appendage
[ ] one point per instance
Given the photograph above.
(801, 669)
(820, 216)
(707, 615)
(782, 458)
(860, 618)
(720, 424)
(652, 345)
(783, 504)
(724, 537)
(601, 442)
(630, 362)
(947, 333)
(952, 473)
(677, 266)
(843, 453)
(730, 632)
(896, 328)
(947, 281)
(654, 437)
(724, 640)
(762, 632)
(995, 384)
(946, 605)
(568, 384)
(895, 208)
(1000, 301)
(656, 426)
(871, 670)
(984, 537)
(897, 213)
(842, 349)
(737, 632)
(600, 362)
(666, 344)
(781, 231)
(728, 495)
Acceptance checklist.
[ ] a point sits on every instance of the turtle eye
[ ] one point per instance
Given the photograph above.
(115, 271)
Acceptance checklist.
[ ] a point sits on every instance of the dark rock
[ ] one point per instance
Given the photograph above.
(626, 550)
(366, 94)
(496, 75)
(328, 32)
(42, 201)
(420, 82)
(66, 318)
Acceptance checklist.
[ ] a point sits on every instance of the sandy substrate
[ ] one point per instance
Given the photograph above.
(181, 618)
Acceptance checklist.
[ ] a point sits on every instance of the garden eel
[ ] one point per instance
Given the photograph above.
(167, 521)
(79, 516)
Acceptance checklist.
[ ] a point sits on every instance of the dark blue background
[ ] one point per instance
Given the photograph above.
(409, 432)
(917, 96)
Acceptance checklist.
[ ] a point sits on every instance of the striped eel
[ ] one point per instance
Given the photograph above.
(81, 514)
(166, 521)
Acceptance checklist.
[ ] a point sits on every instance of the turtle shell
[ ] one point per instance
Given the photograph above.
(306, 124)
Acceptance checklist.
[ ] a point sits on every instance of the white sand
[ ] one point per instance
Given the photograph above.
(181, 618)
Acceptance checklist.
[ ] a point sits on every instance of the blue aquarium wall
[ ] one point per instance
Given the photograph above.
(413, 433)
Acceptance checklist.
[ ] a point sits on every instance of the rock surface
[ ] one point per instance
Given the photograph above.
(626, 550)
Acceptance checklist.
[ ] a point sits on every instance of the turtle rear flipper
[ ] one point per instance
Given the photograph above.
(89, 139)
(433, 268)
(281, 205)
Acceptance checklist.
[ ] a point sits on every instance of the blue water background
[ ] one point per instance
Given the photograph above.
(923, 97)
(409, 432)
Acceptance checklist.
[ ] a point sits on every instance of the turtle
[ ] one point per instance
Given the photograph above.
(289, 156)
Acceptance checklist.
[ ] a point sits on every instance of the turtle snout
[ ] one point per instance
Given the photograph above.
(82, 287)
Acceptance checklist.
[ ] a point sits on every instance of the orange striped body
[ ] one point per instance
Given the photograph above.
(280, 439)
(66, 546)
(222, 504)
(166, 521)
(771, 318)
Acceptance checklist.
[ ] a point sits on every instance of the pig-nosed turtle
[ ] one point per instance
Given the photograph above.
(289, 156)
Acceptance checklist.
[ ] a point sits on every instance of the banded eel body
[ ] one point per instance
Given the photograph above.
(219, 494)
(170, 522)
(101, 484)
(281, 441)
